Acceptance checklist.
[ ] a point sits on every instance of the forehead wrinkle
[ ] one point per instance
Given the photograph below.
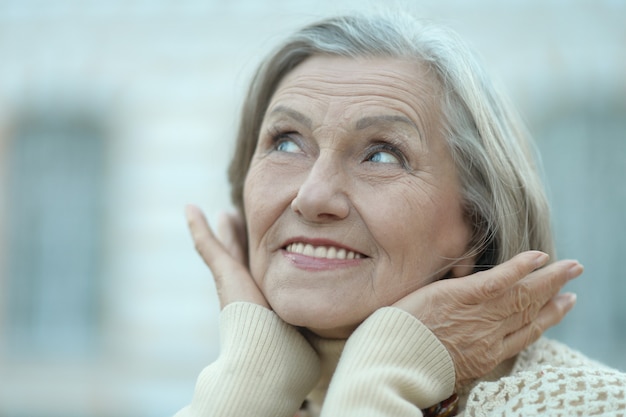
(327, 84)
(337, 79)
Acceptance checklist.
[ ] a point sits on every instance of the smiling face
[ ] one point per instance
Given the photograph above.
(352, 199)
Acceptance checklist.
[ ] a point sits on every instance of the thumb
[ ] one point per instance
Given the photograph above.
(232, 279)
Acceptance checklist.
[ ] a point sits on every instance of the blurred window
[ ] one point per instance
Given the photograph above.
(55, 187)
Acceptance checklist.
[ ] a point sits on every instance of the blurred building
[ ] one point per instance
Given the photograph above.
(115, 114)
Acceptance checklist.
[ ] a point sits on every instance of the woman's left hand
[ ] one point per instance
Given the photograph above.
(490, 316)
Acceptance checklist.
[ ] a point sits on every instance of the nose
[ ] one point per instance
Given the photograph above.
(322, 196)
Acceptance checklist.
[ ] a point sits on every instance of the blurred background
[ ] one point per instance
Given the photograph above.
(115, 114)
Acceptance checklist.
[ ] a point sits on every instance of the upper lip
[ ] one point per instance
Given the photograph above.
(320, 242)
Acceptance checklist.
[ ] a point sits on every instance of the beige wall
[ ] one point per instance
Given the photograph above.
(166, 79)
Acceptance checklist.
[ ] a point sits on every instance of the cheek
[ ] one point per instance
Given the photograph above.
(258, 186)
(420, 236)
(268, 183)
(258, 213)
(266, 197)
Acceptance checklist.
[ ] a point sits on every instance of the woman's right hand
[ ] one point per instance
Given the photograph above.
(490, 316)
(225, 257)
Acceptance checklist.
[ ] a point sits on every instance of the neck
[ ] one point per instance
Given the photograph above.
(329, 351)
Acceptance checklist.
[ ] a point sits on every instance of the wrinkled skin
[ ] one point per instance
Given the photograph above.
(353, 203)
(481, 319)
(491, 316)
(351, 156)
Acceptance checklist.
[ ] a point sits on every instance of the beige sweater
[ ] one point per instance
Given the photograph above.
(392, 365)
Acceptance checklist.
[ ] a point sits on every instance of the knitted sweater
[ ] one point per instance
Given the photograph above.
(392, 365)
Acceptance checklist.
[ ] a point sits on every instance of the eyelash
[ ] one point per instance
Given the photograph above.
(392, 149)
(278, 136)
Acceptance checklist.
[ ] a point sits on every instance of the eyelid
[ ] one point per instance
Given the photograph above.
(278, 136)
(391, 148)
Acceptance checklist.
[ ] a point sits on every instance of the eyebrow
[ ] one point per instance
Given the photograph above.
(294, 114)
(368, 121)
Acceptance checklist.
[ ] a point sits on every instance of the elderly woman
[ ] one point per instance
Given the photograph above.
(375, 167)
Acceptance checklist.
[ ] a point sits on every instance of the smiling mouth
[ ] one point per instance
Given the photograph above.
(324, 252)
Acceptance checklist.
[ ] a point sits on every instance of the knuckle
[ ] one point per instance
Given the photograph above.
(523, 297)
(529, 313)
(555, 279)
(526, 317)
(484, 344)
(535, 332)
(491, 354)
(491, 287)
(498, 279)
(519, 270)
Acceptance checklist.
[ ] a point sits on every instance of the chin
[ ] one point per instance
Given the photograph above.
(321, 318)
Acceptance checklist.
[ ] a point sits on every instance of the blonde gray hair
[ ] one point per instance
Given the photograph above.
(501, 189)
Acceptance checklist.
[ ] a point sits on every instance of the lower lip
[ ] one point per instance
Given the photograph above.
(310, 263)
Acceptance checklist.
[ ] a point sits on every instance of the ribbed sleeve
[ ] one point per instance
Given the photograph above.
(392, 365)
(266, 368)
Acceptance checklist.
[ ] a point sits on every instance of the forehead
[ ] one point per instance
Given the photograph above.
(352, 86)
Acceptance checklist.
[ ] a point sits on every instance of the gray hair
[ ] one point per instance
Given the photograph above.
(502, 191)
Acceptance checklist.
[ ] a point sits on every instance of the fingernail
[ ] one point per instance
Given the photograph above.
(189, 208)
(570, 299)
(566, 301)
(575, 270)
(540, 259)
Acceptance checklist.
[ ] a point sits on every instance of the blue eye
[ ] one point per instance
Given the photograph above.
(386, 153)
(287, 145)
(383, 157)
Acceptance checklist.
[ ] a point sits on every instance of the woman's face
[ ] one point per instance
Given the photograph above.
(352, 199)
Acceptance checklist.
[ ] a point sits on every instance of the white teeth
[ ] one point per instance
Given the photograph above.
(327, 252)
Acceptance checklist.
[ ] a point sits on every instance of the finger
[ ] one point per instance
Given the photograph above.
(208, 247)
(528, 296)
(228, 234)
(545, 283)
(495, 282)
(551, 314)
(232, 279)
(239, 224)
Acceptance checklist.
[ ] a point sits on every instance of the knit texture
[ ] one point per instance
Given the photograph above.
(550, 379)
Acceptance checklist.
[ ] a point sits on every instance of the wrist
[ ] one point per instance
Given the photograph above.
(393, 348)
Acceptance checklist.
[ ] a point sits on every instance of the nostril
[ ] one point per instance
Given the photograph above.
(321, 200)
(294, 205)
